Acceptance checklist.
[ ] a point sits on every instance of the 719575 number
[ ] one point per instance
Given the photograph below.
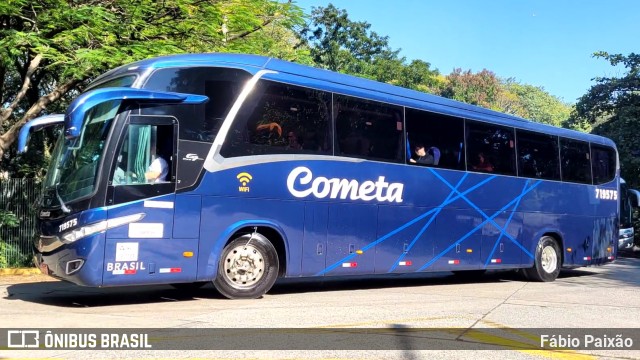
(606, 194)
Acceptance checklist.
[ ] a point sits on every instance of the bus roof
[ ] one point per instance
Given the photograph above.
(391, 92)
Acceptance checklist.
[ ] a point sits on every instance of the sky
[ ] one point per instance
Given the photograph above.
(545, 43)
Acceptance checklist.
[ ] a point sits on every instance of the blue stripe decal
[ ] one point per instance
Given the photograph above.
(429, 263)
(502, 231)
(506, 225)
(426, 226)
(406, 225)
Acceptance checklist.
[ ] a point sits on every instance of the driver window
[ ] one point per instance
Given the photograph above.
(145, 156)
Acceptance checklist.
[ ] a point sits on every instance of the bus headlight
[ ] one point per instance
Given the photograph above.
(88, 230)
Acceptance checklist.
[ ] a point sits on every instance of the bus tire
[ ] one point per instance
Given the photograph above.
(547, 261)
(248, 267)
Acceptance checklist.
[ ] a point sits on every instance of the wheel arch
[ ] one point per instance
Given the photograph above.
(272, 231)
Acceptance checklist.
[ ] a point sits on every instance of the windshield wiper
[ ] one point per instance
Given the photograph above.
(63, 206)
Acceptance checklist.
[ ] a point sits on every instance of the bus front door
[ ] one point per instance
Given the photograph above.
(161, 246)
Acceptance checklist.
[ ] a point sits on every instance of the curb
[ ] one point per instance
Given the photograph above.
(20, 271)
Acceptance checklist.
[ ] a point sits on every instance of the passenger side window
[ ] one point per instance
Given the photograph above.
(368, 129)
(490, 148)
(538, 155)
(281, 119)
(603, 160)
(198, 122)
(440, 137)
(575, 161)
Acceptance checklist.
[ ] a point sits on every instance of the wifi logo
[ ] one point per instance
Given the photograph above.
(244, 179)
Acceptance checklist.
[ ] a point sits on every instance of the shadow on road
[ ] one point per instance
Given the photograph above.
(62, 294)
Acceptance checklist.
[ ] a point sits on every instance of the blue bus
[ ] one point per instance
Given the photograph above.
(273, 169)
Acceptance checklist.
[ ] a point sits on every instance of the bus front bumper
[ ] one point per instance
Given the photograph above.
(79, 263)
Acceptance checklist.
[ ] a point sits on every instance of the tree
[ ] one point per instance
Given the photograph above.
(611, 108)
(505, 95)
(339, 44)
(482, 88)
(51, 48)
(536, 104)
(610, 94)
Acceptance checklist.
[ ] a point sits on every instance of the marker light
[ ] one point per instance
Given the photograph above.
(88, 230)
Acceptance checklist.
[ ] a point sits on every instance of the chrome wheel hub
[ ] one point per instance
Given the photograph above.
(244, 266)
(549, 259)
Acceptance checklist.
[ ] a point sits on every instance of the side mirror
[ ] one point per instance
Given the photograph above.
(35, 125)
(634, 197)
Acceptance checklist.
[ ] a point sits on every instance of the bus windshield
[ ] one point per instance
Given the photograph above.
(75, 162)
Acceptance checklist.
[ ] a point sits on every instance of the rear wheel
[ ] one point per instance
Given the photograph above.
(248, 267)
(547, 261)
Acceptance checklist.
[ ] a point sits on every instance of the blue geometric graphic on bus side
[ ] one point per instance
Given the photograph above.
(506, 225)
(408, 224)
(426, 226)
(488, 219)
(502, 230)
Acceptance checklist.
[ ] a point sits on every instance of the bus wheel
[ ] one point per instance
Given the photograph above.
(248, 267)
(547, 262)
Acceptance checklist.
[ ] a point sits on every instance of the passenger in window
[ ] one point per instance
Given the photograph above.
(292, 141)
(158, 169)
(422, 157)
(482, 163)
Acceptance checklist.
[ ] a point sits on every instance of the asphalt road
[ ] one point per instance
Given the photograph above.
(602, 297)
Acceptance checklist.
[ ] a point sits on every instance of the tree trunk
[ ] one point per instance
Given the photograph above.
(8, 138)
(26, 83)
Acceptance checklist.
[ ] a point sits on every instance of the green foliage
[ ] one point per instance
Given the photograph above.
(536, 104)
(480, 89)
(487, 90)
(340, 44)
(52, 48)
(611, 108)
(337, 43)
(7, 219)
(622, 128)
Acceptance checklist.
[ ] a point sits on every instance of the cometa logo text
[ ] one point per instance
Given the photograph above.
(301, 183)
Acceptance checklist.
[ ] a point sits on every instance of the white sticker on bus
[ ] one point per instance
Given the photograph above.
(158, 204)
(146, 230)
(321, 187)
(127, 251)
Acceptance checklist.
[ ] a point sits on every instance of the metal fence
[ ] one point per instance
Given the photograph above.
(18, 196)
